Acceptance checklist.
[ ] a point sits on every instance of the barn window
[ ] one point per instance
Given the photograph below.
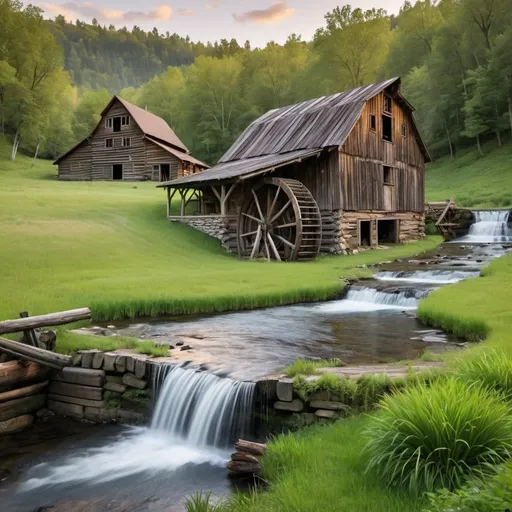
(388, 175)
(387, 231)
(403, 130)
(373, 122)
(109, 143)
(387, 104)
(387, 128)
(127, 142)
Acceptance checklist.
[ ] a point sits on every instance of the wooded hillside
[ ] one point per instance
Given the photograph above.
(455, 57)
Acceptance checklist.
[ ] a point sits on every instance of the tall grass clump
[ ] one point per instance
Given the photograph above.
(426, 438)
(305, 367)
(492, 367)
(200, 502)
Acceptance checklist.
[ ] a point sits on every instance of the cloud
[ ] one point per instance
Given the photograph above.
(273, 14)
(185, 12)
(212, 4)
(71, 10)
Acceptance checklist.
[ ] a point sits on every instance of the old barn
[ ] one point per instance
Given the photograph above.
(129, 143)
(328, 175)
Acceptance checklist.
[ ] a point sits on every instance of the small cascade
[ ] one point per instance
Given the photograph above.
(427, 276)
(405, 299)
(489, 227)
(203, 409)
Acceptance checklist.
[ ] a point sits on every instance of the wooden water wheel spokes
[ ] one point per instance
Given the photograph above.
(279, 220)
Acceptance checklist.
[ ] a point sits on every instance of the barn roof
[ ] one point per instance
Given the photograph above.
(246, 167)
(295, 130)
(182, 156)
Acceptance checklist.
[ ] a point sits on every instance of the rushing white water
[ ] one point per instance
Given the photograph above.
(427, 276)
(197, 417)
(203, 409)
(489, 227)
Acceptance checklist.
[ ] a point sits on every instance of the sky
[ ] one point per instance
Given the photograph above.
(258, 21)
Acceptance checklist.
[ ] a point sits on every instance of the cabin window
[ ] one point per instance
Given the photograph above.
(127, 142)
(387, 231)
(388, 175)
(387, 128)
(365, 233)
(387, 104)
(117, 172)
(403, 130)
(373, 122)
(108, 122)
(156, 167)
(125, 120)
(117, 124)
(109, 143)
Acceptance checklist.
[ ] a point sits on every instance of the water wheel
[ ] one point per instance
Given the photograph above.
(279, 220)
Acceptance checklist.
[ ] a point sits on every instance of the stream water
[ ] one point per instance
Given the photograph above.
(199, 413)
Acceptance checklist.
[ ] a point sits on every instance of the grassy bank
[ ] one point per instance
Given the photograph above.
(484, 182)
(109, 246)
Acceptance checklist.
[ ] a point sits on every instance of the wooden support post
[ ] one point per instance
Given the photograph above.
(168, 189)
(223, 200)
(182, 207)
(29, 334)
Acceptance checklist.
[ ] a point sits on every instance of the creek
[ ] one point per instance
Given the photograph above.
(206, 403)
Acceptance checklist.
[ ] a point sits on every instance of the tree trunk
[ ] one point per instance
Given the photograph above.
(479, 146)
(449, 138)
(498, 137)
(509, 100)
(36, 153)
(15, 145)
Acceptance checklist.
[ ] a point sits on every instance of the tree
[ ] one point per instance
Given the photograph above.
(88, 112)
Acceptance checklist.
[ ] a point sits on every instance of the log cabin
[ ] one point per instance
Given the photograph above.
(131, 144)
(328, 175)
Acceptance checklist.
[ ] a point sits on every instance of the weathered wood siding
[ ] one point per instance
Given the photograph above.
(364, 154)
(77, 165)
(132, 158)
(155, 155)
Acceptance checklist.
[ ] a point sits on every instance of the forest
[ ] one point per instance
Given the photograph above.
(454, 57)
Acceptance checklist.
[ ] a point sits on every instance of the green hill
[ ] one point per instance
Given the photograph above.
(484, 182)
(109, 246)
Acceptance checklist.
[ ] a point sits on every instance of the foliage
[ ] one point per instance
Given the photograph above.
(307, 367)
(432, 437)
(492, 495)
(200, 502)
(151, 348)
(109, 246)
(371, 389)
(343, 387)
(492, 367)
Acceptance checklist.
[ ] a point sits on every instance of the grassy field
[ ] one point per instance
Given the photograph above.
(109, 246)
(484, 182)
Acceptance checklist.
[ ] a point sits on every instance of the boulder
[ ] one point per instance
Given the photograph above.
(113, 386)
(97, 360)
(132, 381)
(65, 409)
(109, 362)
(321, 413)
(325, 404)
(140, 369)
(293, 406)
(82, 376)
(284, 390)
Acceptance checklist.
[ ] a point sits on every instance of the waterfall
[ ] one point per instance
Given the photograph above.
(489, 227)
(371, 295)
(427, 276)
(203, 409)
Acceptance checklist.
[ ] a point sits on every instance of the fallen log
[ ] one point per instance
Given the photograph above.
(244, 469)
(16, 424)
(35, 354)
(32, 322)
(14, 372)
(34, 389)
(21, 406)
(257, 449)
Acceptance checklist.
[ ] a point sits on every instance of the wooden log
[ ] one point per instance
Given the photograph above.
(82, 376)
(61, 318)
(35, 354)
(14, 372)
(237, 468)
(16, 424)
(34, 389)
(21, 406)
(244, 457)
(29, 334)
(75, 390)
(257, 449)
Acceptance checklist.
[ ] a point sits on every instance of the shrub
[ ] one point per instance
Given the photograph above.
(305, 367)
(491, 367)
(426, 438)
(371, 388)
(478, 496)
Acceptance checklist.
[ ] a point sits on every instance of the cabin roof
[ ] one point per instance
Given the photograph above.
(182, 156)
(150, 124)
(245, 168)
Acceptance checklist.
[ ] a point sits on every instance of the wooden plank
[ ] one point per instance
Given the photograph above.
(37, 355)
(21, 406)
(14, 372)
(34, 389)
(61, 318)
(76, 401)
(75, 390)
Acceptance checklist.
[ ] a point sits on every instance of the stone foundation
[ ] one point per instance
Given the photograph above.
(222, 228)
(340, 229)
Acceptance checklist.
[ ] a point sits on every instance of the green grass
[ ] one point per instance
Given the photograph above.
(109, 246)
(305, 367)
(484, 182)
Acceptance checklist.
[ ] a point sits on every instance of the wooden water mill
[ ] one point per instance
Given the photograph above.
(279, 220)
